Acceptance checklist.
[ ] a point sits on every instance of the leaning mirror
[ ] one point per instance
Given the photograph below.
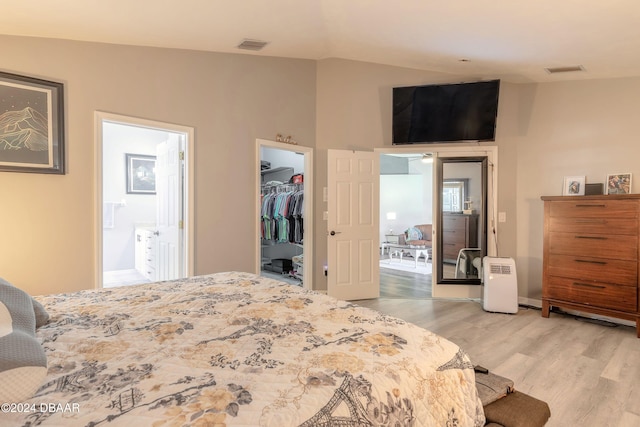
(462, 210)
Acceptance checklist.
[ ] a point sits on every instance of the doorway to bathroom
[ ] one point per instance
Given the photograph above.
(144, 201)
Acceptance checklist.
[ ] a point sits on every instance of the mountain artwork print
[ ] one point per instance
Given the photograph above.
(31, 125)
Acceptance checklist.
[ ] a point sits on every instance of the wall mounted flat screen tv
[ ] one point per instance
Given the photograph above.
(445, 112)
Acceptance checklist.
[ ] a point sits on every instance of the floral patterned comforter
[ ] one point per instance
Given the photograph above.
(236, 349)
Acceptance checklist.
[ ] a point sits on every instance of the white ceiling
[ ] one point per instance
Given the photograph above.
(509, 39)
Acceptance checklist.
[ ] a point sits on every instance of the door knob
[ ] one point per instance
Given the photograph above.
(333, 233)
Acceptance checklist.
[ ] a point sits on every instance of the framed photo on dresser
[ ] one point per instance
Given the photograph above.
(619, 183)
(573, 186)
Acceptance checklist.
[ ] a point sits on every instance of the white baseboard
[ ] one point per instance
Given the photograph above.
(538, 304)
(529, 301)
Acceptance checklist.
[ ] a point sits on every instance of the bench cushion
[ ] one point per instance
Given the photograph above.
(518, 410)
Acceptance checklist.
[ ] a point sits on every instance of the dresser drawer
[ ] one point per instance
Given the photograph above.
(616, 271)
(594, 245)
(454, 236)
(454, 223)
(594, 225)
(451, 251)
(595, 208)
(596, 294)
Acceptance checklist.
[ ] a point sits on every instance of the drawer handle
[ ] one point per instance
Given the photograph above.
(589, 285)
(591, 221)
(592, 237)
(590, 206)
(590, 261)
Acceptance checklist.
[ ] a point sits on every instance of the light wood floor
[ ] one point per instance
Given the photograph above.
(588, 372)
(402, 284)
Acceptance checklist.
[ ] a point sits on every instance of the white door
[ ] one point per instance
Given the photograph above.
(352, 236)
(169, 213)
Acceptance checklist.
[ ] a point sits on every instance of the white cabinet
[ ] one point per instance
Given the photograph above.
(146, 252)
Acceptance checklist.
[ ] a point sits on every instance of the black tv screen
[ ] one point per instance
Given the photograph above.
(445, 112)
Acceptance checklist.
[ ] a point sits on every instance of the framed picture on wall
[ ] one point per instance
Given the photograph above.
(573, 186)
(141, 174)
(618, 183)
(32, 125)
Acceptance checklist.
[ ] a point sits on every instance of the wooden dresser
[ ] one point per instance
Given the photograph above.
(459, 231)
(590, 258)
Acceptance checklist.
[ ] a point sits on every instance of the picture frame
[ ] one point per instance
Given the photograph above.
(618, 183)
(573, 186)
(32, 138)
(141, 174)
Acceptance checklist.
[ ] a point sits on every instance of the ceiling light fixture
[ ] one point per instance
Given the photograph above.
(427, 158)
(249, 44)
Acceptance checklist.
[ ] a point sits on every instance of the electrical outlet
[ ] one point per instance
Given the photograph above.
(502, 217)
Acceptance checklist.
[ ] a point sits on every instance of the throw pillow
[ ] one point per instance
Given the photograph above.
(413, 234)
(42, 317)
(23, 364)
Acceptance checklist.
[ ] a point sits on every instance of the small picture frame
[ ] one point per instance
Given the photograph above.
(141, 174)
(573, 186)
(618, 183)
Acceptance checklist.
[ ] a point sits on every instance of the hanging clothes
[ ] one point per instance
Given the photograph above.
(282, 213)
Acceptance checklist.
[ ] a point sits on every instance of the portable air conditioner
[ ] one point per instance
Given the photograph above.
(500, 292)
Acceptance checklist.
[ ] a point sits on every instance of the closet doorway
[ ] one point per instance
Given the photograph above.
(284, 214)
(144, 212)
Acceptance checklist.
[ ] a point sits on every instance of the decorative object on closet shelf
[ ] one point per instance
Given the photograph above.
(619, 183)
(287, 140)
(32, 131)
(573, 186)
(141, 174)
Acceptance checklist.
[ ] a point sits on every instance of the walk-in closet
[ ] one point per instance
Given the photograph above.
(282, 214)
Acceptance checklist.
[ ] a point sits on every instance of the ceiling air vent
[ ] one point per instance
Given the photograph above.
(249, 44)
(570, 69)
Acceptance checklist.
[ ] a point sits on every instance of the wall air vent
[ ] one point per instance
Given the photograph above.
(570, 69)
(249, 44)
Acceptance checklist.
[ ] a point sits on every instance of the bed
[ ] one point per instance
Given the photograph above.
(237, 349)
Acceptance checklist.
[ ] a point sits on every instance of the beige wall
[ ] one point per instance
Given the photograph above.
(47, 222)
(354, 112)
(545, 132)
(571, 128)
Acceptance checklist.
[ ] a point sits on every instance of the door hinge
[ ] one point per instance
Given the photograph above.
(182, 155)
(181, 224)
